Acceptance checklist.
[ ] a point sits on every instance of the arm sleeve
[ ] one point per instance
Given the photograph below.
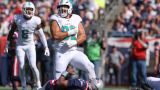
(79, 19)
(53, 17)
(41, 33)
(38, 21)
(42, 37)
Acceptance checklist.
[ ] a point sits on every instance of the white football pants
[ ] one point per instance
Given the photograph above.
(30, 51)
(78, 59)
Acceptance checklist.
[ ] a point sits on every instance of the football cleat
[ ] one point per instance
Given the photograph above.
(95, 84)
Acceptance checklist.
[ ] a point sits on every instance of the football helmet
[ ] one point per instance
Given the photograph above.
(28, 9)
(64, 12)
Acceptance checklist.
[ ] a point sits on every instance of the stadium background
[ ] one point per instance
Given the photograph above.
(115, 19)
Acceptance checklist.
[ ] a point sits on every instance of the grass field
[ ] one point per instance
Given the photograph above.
(109, 88)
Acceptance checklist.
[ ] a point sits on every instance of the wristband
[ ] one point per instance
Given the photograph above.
(65, 73)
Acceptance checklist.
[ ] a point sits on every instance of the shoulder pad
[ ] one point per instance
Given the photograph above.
(54, 17)
(16, 17)
(78, 18)
(37, 19)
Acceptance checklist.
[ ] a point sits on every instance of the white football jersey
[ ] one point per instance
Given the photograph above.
(66, 25)
(26, 29)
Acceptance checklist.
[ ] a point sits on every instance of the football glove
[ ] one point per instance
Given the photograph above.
(46, 52)
(72, 32)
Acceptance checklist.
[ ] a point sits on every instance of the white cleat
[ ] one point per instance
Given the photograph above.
(96, 84)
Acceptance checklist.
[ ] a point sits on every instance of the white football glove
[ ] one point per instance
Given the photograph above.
(72, 32)
(46, 52)
(71, 43)
(6, 47)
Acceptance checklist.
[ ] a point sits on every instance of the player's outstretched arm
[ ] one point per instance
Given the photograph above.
(57, 33)
(43, 40)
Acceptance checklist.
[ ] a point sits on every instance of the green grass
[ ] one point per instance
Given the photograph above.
(10, 88)
(109, 88)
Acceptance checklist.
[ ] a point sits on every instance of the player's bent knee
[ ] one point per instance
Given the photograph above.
(91, 66)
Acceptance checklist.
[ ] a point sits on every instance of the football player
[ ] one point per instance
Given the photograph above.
(26, 24)
(67, 82)
(68, 32)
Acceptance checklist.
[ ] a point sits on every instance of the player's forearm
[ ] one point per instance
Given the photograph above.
(43, 38)
(60, 35)
(81, 39)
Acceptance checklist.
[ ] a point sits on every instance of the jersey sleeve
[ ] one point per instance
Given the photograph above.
(38, 20)
(78, 18)
(15, 18)
(53, 17)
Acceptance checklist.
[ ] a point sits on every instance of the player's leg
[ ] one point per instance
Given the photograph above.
(31, 54)
(81, 61)
(153, 82)
(20, 53)
(62, 61)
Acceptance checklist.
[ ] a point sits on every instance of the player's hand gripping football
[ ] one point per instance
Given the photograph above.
(46, 52)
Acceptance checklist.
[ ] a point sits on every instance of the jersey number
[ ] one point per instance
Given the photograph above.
(67, 28)
(25, 34)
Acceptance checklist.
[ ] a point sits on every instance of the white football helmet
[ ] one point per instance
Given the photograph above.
(64, 3)
(28, 9)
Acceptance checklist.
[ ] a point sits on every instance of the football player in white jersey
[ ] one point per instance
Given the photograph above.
(26, 24)
(68, 32)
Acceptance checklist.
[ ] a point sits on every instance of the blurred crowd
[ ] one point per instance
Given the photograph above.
(139, 21)
(138, 15)
(89, 10)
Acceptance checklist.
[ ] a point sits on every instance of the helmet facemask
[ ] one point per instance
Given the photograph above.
(63, 11)
(64, 8)
(28, 12)
(28, 9)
